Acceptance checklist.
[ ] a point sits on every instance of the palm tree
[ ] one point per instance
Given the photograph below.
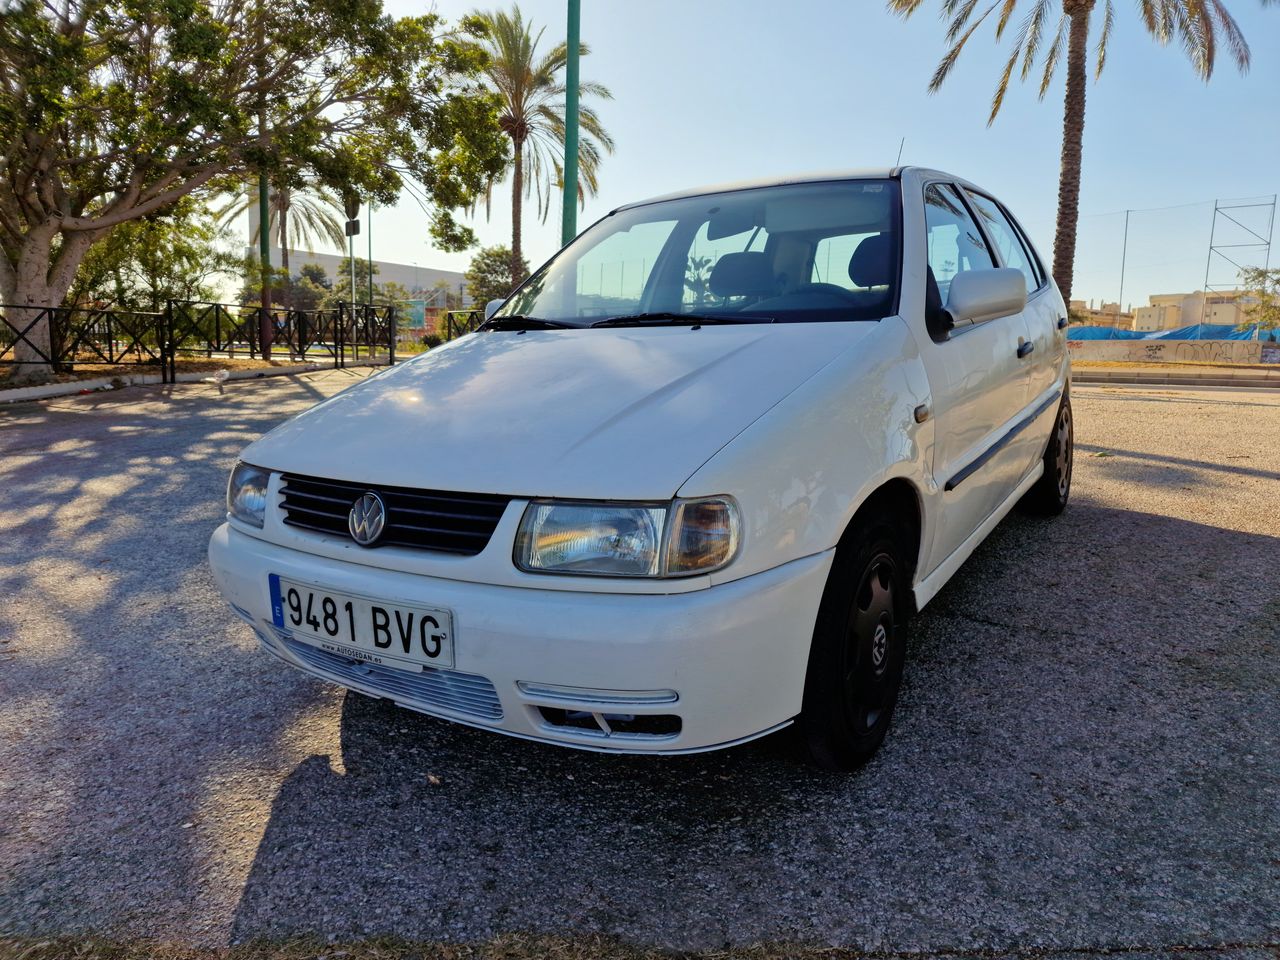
(1049, 28)
(532, 90)
(306, 214)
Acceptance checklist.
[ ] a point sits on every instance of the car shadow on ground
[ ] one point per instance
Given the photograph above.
(1085, 746)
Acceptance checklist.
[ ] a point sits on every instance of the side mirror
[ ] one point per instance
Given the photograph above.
(979, 295)
(492, 306)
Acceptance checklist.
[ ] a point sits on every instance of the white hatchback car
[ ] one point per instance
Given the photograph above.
(688, 483)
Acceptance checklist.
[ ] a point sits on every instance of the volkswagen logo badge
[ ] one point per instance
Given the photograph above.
(367, 519)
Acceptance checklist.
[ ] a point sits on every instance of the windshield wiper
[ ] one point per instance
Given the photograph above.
(523, 323)
(667, 318)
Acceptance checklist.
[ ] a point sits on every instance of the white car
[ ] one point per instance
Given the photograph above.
(689, 482)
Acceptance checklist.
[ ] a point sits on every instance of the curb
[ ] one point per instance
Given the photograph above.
(1164, 380)
(48, 391)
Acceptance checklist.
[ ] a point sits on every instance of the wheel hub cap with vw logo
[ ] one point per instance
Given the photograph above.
(367, 519)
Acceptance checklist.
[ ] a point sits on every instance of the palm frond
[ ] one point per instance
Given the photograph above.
(1104, 40)
(531, 86)
(1054, 55)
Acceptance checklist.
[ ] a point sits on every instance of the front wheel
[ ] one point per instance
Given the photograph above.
(1048, 497)
(859, 645)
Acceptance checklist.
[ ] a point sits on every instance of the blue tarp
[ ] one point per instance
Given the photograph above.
(1197, 331)
(1102, 333)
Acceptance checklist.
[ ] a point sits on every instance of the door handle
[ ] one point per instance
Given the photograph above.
(1025, 348)
(1062, 322)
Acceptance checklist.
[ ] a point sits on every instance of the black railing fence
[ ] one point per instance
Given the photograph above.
(459, 322)
(68, 337)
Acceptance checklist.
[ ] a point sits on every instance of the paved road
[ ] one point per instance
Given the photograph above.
(1086, 756)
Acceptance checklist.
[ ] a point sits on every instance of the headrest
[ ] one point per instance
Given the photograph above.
(747, 274)
(872, 263)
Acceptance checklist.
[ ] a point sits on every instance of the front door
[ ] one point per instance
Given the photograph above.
(980, 384)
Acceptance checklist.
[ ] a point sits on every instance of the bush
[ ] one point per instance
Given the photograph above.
(432, 340)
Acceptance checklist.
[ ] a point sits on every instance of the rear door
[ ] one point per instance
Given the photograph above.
(979, 382)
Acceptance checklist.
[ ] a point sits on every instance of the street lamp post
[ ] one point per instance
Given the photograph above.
(569, 224)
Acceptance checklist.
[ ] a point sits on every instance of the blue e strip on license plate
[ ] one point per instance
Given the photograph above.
(407, 637)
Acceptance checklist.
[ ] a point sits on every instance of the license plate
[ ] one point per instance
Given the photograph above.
(407, 637)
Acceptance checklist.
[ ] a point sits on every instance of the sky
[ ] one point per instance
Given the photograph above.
(710, 91)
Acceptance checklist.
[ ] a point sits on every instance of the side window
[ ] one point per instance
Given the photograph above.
(1007, 242)
(1034, 257)
(954, 240)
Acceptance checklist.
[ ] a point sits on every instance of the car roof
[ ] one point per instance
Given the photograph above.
(823, 176)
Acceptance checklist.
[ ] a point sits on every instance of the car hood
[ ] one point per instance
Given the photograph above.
(624, 414)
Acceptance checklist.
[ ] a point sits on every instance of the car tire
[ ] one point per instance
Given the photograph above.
(859, 646)
(1049, 496)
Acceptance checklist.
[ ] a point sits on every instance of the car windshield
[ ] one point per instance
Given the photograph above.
(806, 252)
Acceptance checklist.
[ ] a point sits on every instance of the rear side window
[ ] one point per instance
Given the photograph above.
(1006, 238)
(955, 242)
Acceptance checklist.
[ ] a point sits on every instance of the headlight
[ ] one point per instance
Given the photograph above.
(247, 494)
(628, 540)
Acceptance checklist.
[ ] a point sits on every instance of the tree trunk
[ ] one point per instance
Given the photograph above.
(517, 211)
(1064, 240)
(35, 283)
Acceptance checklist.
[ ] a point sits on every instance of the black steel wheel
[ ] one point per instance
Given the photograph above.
(859, 646)
(1049, 496)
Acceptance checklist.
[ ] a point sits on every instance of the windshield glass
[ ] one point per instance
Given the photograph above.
(795, 253)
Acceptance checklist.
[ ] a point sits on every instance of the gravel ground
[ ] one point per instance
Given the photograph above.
(1086, 756)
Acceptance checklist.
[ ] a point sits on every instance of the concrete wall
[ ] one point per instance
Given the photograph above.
(1182, 351)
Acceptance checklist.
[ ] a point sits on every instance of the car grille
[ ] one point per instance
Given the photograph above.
(423, 519)
(464, 693)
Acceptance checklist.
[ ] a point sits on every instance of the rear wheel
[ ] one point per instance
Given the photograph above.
(859, 645)
(1049, 496)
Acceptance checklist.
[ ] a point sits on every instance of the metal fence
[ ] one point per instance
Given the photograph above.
(459, 322)
(68, 337)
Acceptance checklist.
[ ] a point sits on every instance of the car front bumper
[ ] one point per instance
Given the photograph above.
(728, 661)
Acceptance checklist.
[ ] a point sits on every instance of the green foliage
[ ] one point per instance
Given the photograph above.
(110, 112)
(1263, 286)
(340, 290)
(175, 255)
(432, 340)
(489, 276)
(1040, 39)
(315, 273)
(532, 90)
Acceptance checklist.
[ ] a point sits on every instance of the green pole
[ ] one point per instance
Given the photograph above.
(569, 225)
(264, 254)
(368, 221)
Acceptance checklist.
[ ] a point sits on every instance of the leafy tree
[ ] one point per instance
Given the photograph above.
(315, 273)
(306, 212)
(532, 90)
(489, 276)
(1263, 286)
(174, 255)
(1051, 28)
(112, 111)
(340, 291)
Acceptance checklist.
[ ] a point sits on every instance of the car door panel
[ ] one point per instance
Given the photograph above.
(1041, 316)
(980, 383)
